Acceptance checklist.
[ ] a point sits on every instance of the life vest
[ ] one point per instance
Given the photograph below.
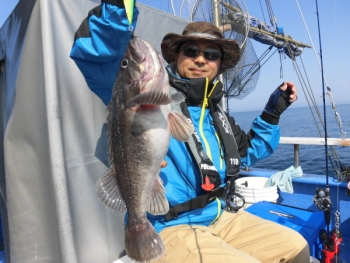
(210, 177)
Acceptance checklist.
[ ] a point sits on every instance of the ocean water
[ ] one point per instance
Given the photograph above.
(299, 122)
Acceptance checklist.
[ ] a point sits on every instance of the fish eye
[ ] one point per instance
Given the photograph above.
(124, 63)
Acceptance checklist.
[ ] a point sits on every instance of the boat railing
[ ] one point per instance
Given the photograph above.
(296, 141)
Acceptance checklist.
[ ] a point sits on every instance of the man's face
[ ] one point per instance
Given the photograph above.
(198, 66)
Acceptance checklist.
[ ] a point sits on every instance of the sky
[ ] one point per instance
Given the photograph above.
(6, 6)
(335, 39)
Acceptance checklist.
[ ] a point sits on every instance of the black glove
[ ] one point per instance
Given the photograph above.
(278, 103)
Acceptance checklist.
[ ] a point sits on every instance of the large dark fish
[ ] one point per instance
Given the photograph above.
(140, 122)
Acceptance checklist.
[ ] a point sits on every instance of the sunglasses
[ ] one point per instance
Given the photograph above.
(193, 51)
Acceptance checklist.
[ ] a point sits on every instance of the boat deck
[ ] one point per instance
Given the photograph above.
(302, 197)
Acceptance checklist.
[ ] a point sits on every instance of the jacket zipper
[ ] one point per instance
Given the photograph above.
(204, 105)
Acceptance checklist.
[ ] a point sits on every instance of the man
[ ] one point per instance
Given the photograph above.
(197, 228)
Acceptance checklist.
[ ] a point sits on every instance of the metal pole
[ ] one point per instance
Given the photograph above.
(296, 155)
(216, 18)
(216, 13)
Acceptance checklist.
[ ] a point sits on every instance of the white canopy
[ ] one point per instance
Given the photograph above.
(54, 145)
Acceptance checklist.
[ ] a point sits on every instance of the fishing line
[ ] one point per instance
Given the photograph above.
(262, 11)
(304, 86)
(323, 91)
(309, 89)
(336, 165)
(324, 77)
(334, 159)
(182, 3)
(194, 7)
(327, 212)
(312, 43)
(173, 8)
(168, 8)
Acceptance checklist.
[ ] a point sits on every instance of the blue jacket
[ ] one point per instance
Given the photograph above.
(98, 47)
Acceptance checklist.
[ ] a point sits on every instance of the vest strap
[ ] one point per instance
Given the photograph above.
(197, 202)
(227, 193)
(209, 175)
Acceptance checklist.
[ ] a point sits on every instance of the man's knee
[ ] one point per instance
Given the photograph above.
(302, 251)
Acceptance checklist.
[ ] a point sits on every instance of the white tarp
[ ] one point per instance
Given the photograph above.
(54, 145)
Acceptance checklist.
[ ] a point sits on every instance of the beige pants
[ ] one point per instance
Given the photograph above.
(234, 238)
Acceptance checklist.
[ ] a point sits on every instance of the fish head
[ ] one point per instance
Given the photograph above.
(145, 66)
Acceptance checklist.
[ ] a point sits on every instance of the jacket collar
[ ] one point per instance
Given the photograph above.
(194, 89)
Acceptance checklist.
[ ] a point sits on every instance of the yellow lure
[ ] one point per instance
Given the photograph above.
(129, 8)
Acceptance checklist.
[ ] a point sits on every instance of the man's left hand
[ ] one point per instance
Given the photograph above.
(291, 90)
(279, 101)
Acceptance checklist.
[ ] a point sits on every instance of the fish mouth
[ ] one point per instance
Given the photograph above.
(137, 50)
(150, 65)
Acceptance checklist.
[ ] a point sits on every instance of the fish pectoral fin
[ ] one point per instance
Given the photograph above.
(178, 96)
(157, 204)
(151, 97)
(107, 191)
(179, 127)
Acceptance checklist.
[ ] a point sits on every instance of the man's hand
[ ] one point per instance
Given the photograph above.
(279, 101)
(291, 89)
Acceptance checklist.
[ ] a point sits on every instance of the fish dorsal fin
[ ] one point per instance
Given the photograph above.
(158, 204)
(179, 126)
(151, 97)
(107, 191)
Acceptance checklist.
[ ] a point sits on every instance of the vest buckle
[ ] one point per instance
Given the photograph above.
(234, 200)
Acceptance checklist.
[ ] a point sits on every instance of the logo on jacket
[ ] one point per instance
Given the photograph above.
(224, 124)
(194, 130)
(205, 166)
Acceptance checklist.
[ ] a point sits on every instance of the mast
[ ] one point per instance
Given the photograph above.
(216, 21)
(216, 13)
(260, 31)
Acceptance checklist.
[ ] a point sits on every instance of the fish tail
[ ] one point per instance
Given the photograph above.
(143, 243)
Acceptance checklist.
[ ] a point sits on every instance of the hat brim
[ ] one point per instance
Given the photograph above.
(229, 47)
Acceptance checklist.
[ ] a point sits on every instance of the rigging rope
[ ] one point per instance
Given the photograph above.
(262, 11)
(338, 119)
(254, 68)
(328, 157)
(307, 89)
(335, 161)
(173, 8)
(281, 65)
(271, 15)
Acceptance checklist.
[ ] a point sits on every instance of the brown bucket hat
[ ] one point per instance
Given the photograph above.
(202, 31)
